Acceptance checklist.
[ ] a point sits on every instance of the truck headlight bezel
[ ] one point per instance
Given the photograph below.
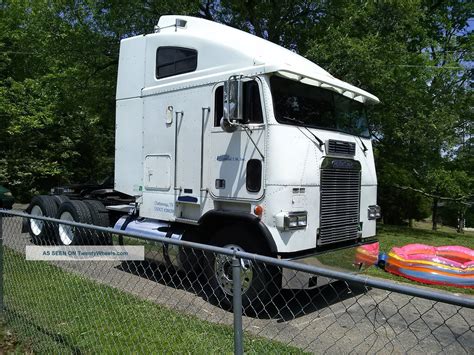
(374, 212)
(295, 220)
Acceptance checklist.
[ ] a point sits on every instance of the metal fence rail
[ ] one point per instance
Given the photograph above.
(151, 305)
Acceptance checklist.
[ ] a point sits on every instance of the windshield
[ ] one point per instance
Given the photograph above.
(306, 105)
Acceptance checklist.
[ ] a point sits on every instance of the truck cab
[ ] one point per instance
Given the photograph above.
(215, 122)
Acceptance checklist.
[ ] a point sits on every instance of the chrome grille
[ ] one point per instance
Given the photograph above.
(340, 195)
(340, 147)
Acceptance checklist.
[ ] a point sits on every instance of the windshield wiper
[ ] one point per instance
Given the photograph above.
(363, 145)
(321, 143)
(293, 119)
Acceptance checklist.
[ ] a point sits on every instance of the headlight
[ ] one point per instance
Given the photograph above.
(8, 193)
(302, 221)
(374, 212)
(292, 220)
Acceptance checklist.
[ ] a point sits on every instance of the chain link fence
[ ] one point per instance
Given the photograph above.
(188, 297)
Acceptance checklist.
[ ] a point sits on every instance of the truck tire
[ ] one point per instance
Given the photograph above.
(73, 211)
(260, 282)
(41, 232)
(100, 217)
(190, 258)
(60, 199)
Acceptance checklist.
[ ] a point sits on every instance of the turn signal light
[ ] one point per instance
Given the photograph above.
(258, 210)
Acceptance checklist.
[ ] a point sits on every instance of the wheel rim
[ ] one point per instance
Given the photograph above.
(36, 225)
(223, 271)
(66, 233)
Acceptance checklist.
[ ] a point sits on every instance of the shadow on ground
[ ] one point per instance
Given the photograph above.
(285, 305)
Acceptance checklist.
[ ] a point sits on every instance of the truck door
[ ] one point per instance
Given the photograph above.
(172, 150)
(236, 162)
(189, 140)
(158, 157)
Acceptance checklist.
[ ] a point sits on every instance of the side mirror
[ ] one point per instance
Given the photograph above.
(233, 99)
(226, 126)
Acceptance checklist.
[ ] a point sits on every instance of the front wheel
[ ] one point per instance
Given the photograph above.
(258, 282)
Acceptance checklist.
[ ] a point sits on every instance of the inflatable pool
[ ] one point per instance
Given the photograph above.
(446, 265)
(366, 255)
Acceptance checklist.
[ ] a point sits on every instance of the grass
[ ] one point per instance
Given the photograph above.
(426, 225)
(9, 343)
(396, 236)
(51, 311)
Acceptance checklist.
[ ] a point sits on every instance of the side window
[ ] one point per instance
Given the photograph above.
(174, 60)
(252, 111)
(252, 105)
(254, 175)
(218, 105)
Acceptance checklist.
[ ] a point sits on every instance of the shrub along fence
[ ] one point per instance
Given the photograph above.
(172, 302)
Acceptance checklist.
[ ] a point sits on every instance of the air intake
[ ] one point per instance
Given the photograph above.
(340, 147)
(340, 201)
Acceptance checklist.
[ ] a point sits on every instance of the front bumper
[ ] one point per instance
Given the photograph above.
(352, 260)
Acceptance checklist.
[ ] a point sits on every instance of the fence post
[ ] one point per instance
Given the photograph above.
(237, 306)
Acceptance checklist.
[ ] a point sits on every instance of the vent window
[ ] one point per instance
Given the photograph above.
(254, 175)
(175, 60)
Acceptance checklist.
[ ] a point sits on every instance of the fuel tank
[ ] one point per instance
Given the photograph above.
(155, 251)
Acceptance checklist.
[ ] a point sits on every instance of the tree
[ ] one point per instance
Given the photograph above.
(58, 64)
(288, 23)
(58, 68)
(413, 56)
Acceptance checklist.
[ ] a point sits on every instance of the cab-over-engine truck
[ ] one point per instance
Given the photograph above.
(227, 139)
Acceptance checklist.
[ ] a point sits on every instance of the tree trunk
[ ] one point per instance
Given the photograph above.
(410, 223)
(435, 214)
(461, 222)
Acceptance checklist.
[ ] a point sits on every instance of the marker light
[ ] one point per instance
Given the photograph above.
(258, 210)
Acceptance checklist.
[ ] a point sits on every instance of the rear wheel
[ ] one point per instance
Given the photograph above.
(259, 282)
(41, 232)
(73, 211)
(100, 217)
(60, 199)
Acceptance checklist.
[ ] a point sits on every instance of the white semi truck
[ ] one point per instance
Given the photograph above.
(227, 139)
